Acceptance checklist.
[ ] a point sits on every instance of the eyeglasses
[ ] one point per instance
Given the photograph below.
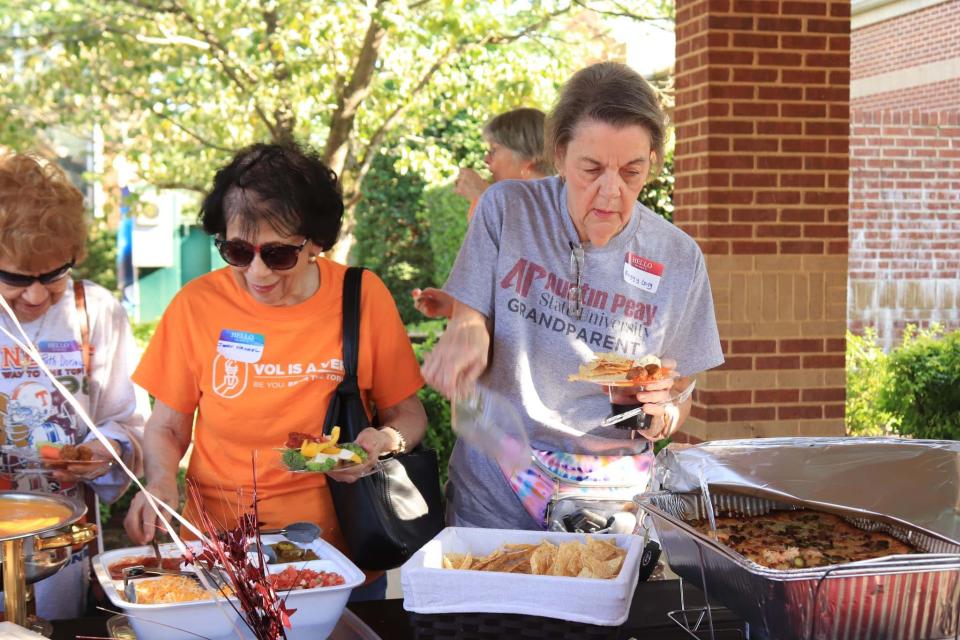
(22, 280)
(575, 292)
(275, 255)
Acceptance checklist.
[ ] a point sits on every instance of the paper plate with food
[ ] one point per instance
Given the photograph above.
(78, 460)
(615, 370)
(309, 453)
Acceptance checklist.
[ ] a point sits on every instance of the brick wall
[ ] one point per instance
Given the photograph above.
(762, 183)
(904, 220)
(936, 96)
(905, 173)
(907, 41)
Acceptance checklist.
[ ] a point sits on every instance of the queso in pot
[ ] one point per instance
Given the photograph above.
(19, 518)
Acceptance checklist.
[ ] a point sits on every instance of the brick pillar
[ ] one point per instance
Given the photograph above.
(762, 113)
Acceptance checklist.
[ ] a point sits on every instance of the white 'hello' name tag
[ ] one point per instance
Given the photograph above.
(642, 273)
(241, 346)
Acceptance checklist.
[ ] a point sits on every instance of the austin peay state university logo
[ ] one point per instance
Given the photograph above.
(230, 377)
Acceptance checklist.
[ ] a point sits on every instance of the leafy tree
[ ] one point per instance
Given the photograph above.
(440, 435)
(179, 85)
(392, 238)
(657, 195)
(100, 266)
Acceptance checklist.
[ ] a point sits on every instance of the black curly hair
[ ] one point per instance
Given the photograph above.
(287, 185)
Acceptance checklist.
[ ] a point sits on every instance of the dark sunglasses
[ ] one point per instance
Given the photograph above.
(276, 255)
(23, 280)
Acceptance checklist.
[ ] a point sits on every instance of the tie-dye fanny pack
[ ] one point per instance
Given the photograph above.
(556, 475)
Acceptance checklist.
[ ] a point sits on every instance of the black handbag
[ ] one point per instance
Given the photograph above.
(388, 515)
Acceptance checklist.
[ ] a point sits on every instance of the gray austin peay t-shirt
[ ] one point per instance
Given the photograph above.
(645, 292)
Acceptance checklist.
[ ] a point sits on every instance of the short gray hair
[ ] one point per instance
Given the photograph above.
(521, 131)
(607, 92)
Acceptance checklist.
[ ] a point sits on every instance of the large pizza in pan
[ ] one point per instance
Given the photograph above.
(801, 539)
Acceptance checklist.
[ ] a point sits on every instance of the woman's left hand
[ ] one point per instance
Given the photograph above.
(655, 398)
(376, 443)
(89, 470)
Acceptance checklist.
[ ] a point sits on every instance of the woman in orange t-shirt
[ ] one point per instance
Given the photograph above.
(254, 350)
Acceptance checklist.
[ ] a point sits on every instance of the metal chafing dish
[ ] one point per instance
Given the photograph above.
(902, 597)
(868, 482)
(28, 554)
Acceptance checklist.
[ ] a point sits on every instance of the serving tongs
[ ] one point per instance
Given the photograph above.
(680, 398)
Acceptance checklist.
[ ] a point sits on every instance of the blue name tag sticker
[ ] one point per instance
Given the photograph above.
(241, 346)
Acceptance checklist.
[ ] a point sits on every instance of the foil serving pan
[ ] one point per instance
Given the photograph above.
(904, 597)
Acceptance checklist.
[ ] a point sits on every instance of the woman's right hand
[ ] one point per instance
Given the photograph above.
(433, 303)
(166, 438)
(470, 184)
(141, 521)
(460, 355)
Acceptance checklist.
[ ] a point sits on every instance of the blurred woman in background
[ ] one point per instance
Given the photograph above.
(514, 152)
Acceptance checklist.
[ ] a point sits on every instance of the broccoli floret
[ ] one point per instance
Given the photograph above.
(354, 448)
(294, 460)
(326, 465)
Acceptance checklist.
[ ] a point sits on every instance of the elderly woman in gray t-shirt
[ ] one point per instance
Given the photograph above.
(554, 271)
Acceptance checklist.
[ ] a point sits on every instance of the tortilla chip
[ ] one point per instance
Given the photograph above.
(508, 562)
(606, 569)
(603, 550)
(543, 558)
(481, 563)
(568, 561)
(594, 559)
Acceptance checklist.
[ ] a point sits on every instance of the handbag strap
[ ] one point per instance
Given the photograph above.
(351, 320)
(89, 496)
(346, 400)
(80, 297)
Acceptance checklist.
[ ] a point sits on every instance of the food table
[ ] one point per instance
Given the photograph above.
(648, 617)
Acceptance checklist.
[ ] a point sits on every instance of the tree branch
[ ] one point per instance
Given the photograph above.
(220, 53)
(380, 134)
(193, 134)
(355, 92)
(160, 114)
(622, 12)
(173, 39)
(186, 186)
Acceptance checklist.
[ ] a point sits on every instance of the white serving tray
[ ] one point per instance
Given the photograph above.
(317, 613)
(429, 588)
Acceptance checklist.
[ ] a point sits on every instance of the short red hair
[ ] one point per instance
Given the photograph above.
(42, 220)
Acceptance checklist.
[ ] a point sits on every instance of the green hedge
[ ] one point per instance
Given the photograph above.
(440, 435)
(913, 391)
(923, 385)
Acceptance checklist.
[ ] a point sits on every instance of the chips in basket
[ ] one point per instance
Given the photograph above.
(593, 559)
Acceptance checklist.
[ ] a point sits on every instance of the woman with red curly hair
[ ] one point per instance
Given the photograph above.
(84, 336)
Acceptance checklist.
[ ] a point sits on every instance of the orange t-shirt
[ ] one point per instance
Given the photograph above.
(287, 364)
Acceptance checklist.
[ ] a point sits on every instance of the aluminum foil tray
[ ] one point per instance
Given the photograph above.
(896, 598)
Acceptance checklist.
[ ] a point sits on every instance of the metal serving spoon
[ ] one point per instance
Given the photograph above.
(302, 532)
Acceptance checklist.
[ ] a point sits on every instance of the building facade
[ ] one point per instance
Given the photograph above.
(904, 165)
